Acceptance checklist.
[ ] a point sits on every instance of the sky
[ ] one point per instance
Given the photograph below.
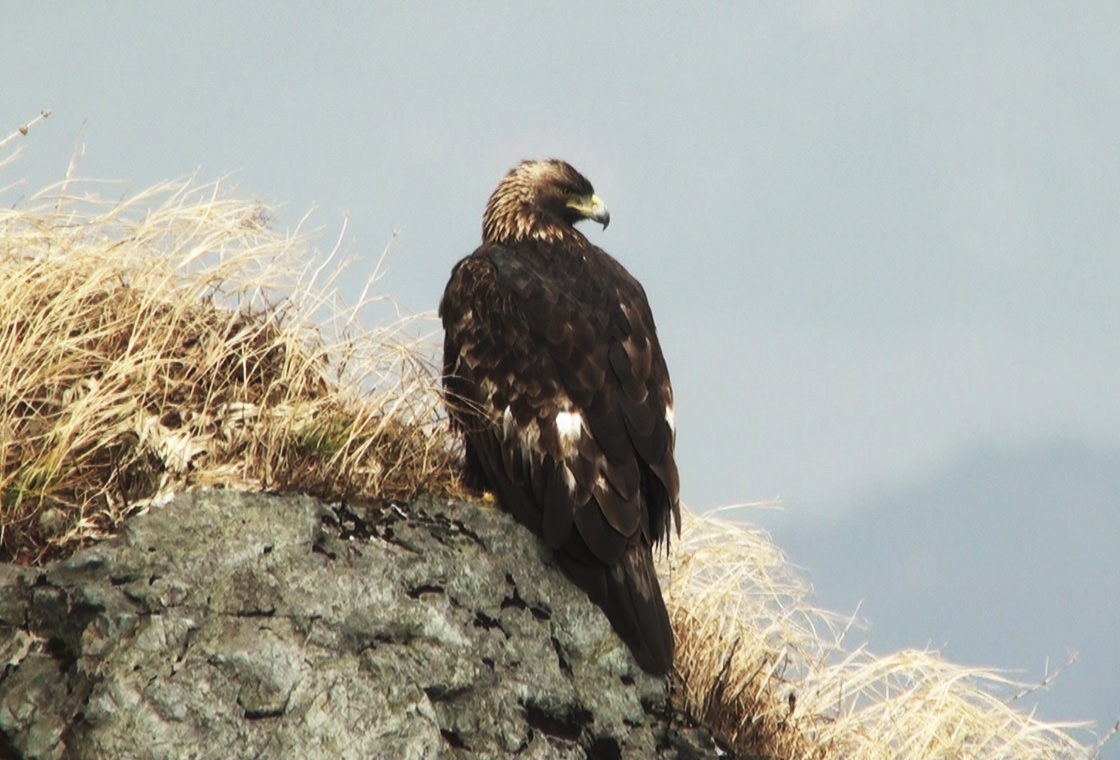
(879, 239)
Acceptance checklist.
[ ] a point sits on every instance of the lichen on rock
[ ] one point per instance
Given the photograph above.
(230, 624)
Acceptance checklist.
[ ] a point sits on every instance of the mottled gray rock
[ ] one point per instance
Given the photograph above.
(238, 625)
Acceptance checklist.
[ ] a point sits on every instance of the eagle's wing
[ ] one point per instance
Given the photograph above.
(554, 373)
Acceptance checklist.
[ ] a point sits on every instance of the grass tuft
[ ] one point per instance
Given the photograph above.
(769, 673)
(172, 339)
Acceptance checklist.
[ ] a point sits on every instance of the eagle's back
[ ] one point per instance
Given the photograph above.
(553, 371)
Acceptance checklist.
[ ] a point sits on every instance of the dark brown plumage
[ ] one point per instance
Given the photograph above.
(553, 373)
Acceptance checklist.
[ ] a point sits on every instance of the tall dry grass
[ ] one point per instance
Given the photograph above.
(771, 674)
(173, 338)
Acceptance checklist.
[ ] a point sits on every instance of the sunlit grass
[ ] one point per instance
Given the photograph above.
(172, 339)
(771, 673)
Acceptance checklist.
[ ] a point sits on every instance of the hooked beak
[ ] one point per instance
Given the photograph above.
(592, 208)
(599, 212)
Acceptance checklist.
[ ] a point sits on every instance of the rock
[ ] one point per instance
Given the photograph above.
(235, 625)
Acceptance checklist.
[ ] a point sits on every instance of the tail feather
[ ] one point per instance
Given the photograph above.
(630, 595)
(637, 611)
(627, 591)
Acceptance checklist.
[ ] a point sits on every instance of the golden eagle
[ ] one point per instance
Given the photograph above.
(553, 373)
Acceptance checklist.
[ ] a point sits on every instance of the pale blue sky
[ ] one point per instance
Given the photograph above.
(875, 236)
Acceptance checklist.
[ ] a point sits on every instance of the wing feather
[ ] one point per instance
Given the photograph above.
(556, 509)
(534, 333)
(605, 543)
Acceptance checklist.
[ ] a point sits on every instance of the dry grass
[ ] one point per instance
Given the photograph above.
(173, 338)
(769, 673)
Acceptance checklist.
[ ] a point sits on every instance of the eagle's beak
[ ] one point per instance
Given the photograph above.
(599, 211)
(592, 208)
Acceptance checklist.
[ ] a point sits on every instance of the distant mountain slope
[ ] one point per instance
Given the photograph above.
(1003, 558)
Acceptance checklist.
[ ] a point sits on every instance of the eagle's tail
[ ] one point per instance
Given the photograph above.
(628, 591)
(636, 609)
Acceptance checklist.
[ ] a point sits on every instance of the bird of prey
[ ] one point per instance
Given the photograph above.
(553, 374)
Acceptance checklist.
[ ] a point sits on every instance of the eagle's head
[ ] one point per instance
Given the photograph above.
(541, 200)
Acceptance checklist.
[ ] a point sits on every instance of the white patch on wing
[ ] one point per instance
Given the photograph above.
(530, 439)
(569, 478)
(569, 427)
(671, 418)
(526, 440)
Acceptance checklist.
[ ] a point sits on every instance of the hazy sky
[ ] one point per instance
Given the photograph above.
(874, 235)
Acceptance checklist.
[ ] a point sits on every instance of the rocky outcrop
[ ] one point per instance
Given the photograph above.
(236, 625)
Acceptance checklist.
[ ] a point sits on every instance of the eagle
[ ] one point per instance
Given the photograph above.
(554, 376)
